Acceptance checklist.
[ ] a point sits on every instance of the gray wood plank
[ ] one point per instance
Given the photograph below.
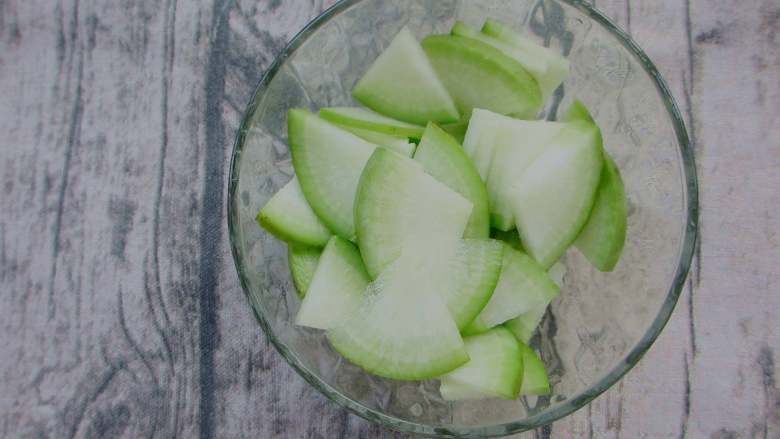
(105, 186)
(736, 305)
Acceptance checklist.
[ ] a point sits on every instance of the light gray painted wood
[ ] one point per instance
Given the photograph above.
(121, 312)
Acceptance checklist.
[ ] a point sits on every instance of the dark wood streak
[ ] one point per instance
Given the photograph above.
(766, 364)
(211, 214)
(686, 400)
(168, 58)
(73, 140)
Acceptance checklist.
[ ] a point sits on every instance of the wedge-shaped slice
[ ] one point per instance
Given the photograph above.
(337, 287)
(366, 119)
(303, 262)
(604, 235)
(403, 329)
(402, 84)
(557, 67)
(518, 143)
(530, 61)
(472, 278)
(444, 159)
(480, 139)
(535, 380)
(288, 216)
(478, 75)
(495, 368)
(398, 204)
(522, 286)
(554, 196)
(401, 145)
(524, 326)
(328, 162)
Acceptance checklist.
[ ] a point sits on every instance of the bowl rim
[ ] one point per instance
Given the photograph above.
(570, 405)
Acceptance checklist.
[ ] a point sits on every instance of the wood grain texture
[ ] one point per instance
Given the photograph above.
(120, 309)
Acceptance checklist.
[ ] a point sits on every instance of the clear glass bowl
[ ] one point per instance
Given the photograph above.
(601, 324)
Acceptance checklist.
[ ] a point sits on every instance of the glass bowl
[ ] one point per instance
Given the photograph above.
(601, 324)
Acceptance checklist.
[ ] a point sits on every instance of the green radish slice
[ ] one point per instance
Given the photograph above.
(604, 235)
(473, 278)
(452, 390)
(532, 63)
(368, 120)
(524, 325)
(518, 143)
(522, 286)
(328, 162)
(444, 159)
(398, 204)
(553, 198)
(478, 75)
(402, 329)
(557, 67)
(401, 145)
(303, 262)
(288, 216)
(480, 139)
(495, 368)
(336, 288)
(402, 84)
(535, 379)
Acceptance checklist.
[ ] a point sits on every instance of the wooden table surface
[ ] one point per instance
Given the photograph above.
(121, 311)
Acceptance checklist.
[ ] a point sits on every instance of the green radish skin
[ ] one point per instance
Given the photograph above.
(328, 162)
(336, 288)
(604, 235)
(557, 67)
(554, 197)
(495, 368)
(522, 286)
(402, 329)
(398, 204)
(510, 237)
(524, 326)
(402, 84)
(456, 130)
(518, 143)
(478, 75)
(535, 379)
(401, 145)
(472, 279)
(288, 216)
(578, 111)
(444, 159)
(303, 262)
(368, 120)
